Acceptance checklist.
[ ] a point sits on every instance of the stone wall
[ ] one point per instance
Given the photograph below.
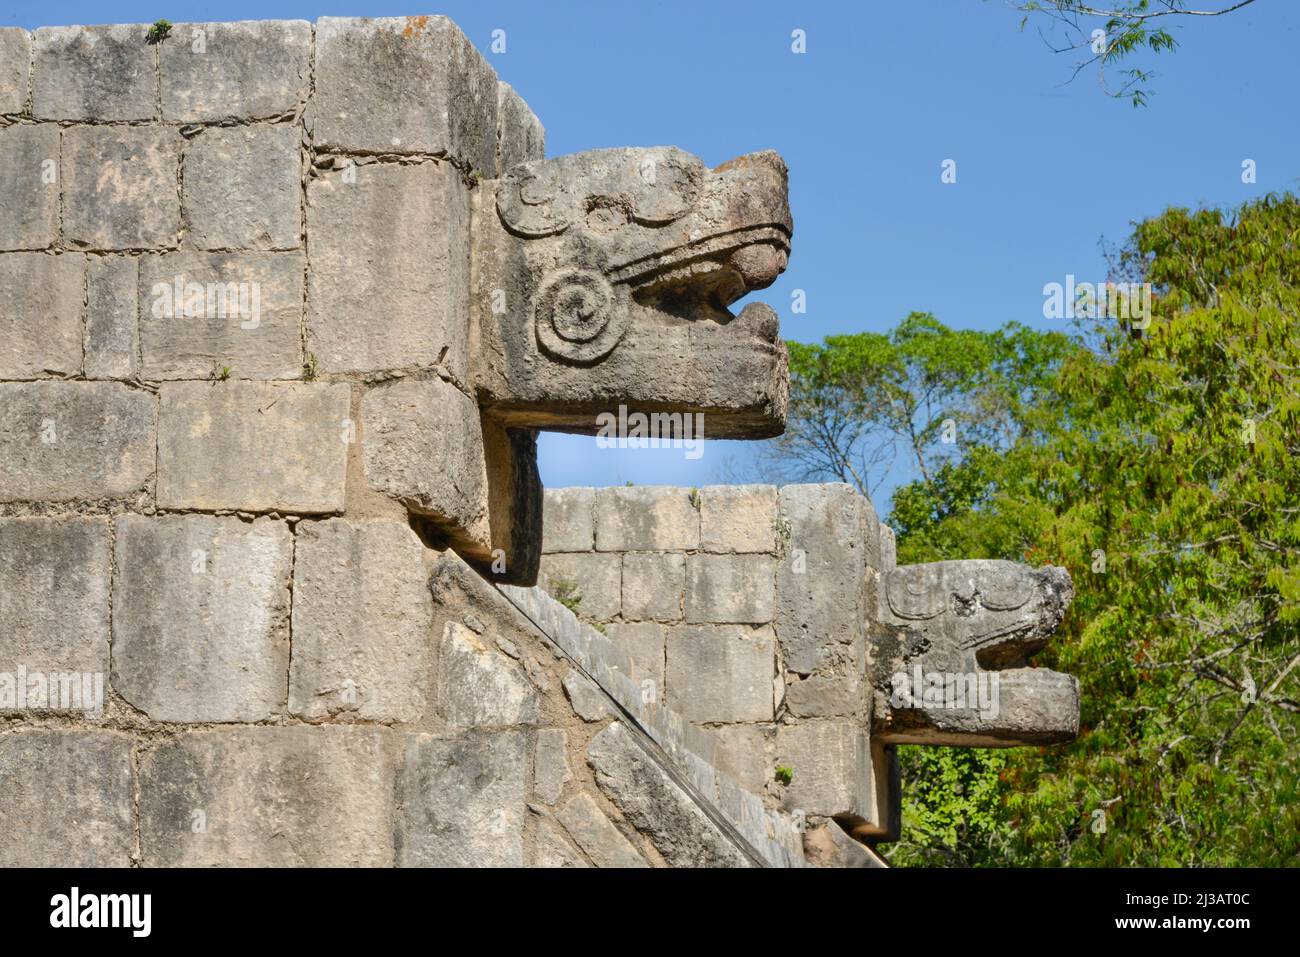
(750, 607)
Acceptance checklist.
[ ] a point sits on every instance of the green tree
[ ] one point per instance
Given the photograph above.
(1156, 459)
(1105, 35)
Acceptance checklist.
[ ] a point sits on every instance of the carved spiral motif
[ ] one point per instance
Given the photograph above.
(576, 316)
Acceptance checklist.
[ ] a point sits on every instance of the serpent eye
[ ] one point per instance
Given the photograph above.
(1007, 593)
(916, 591)
(664, 185)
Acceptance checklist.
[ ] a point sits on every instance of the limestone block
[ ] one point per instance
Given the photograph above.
(830, 767)
(120, 187)
(569, 520)
(243, 188)
(738, 518)
(730, 588)
(67, 799)
(656, 805)
(15, 65)
(53, 596)
(29, 187)
(653, 585)
(478, 686)
(423, 446)
(461, 801)
(103, 73)
(520, 135)
(64, 441)
(720, 673)
(403, 85)
(821, 606)
(269, 797)
(201, 616)
(254, 446)
(821, 696)
(248, 69)
(550, 849)
(389, 284)
(362, 618)
(40, 314)
(551, 764)
(742, 755)
(588, 701)
(112, 310)
(644, 644)
(596, 578)
(646, 519)
(206, 312)
(597, 835)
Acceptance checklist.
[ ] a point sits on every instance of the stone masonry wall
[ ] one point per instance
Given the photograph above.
(234, 352)
(749, 606)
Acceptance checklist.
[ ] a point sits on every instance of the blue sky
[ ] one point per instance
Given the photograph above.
(865, 118)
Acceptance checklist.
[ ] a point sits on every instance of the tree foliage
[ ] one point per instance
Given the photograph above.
(1159, 464)
(1106, 34)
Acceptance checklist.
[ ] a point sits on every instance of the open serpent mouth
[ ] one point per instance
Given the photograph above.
(700, 281)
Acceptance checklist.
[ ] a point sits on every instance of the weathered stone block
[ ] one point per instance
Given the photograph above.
(822, 696)
(596, 579)
(63, 441)
(462, 801)
(362, 617)
(248, 69)
(569, 520)
(389, 284)
(644, 644)
(205, 312)
(597, 835)
(730, 588)
(423, 446)
(243, 188)
(738, 518)
(53, 599)
(479, 686)
(29, 188)
(646, 519)
(403, 85)
(120, 187)
(550, 849)
(201, 616)
(653, 585)
(820, 581)
(15, 66)
(721, 673)
(656, 805)
(67, 799)
(588, 701)
(93, 73)
(112, 310)
(254, 446)
(40, 314)
(742, 755)
(520, 135)
(269, 797)
(551, 764)
(830, 767)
